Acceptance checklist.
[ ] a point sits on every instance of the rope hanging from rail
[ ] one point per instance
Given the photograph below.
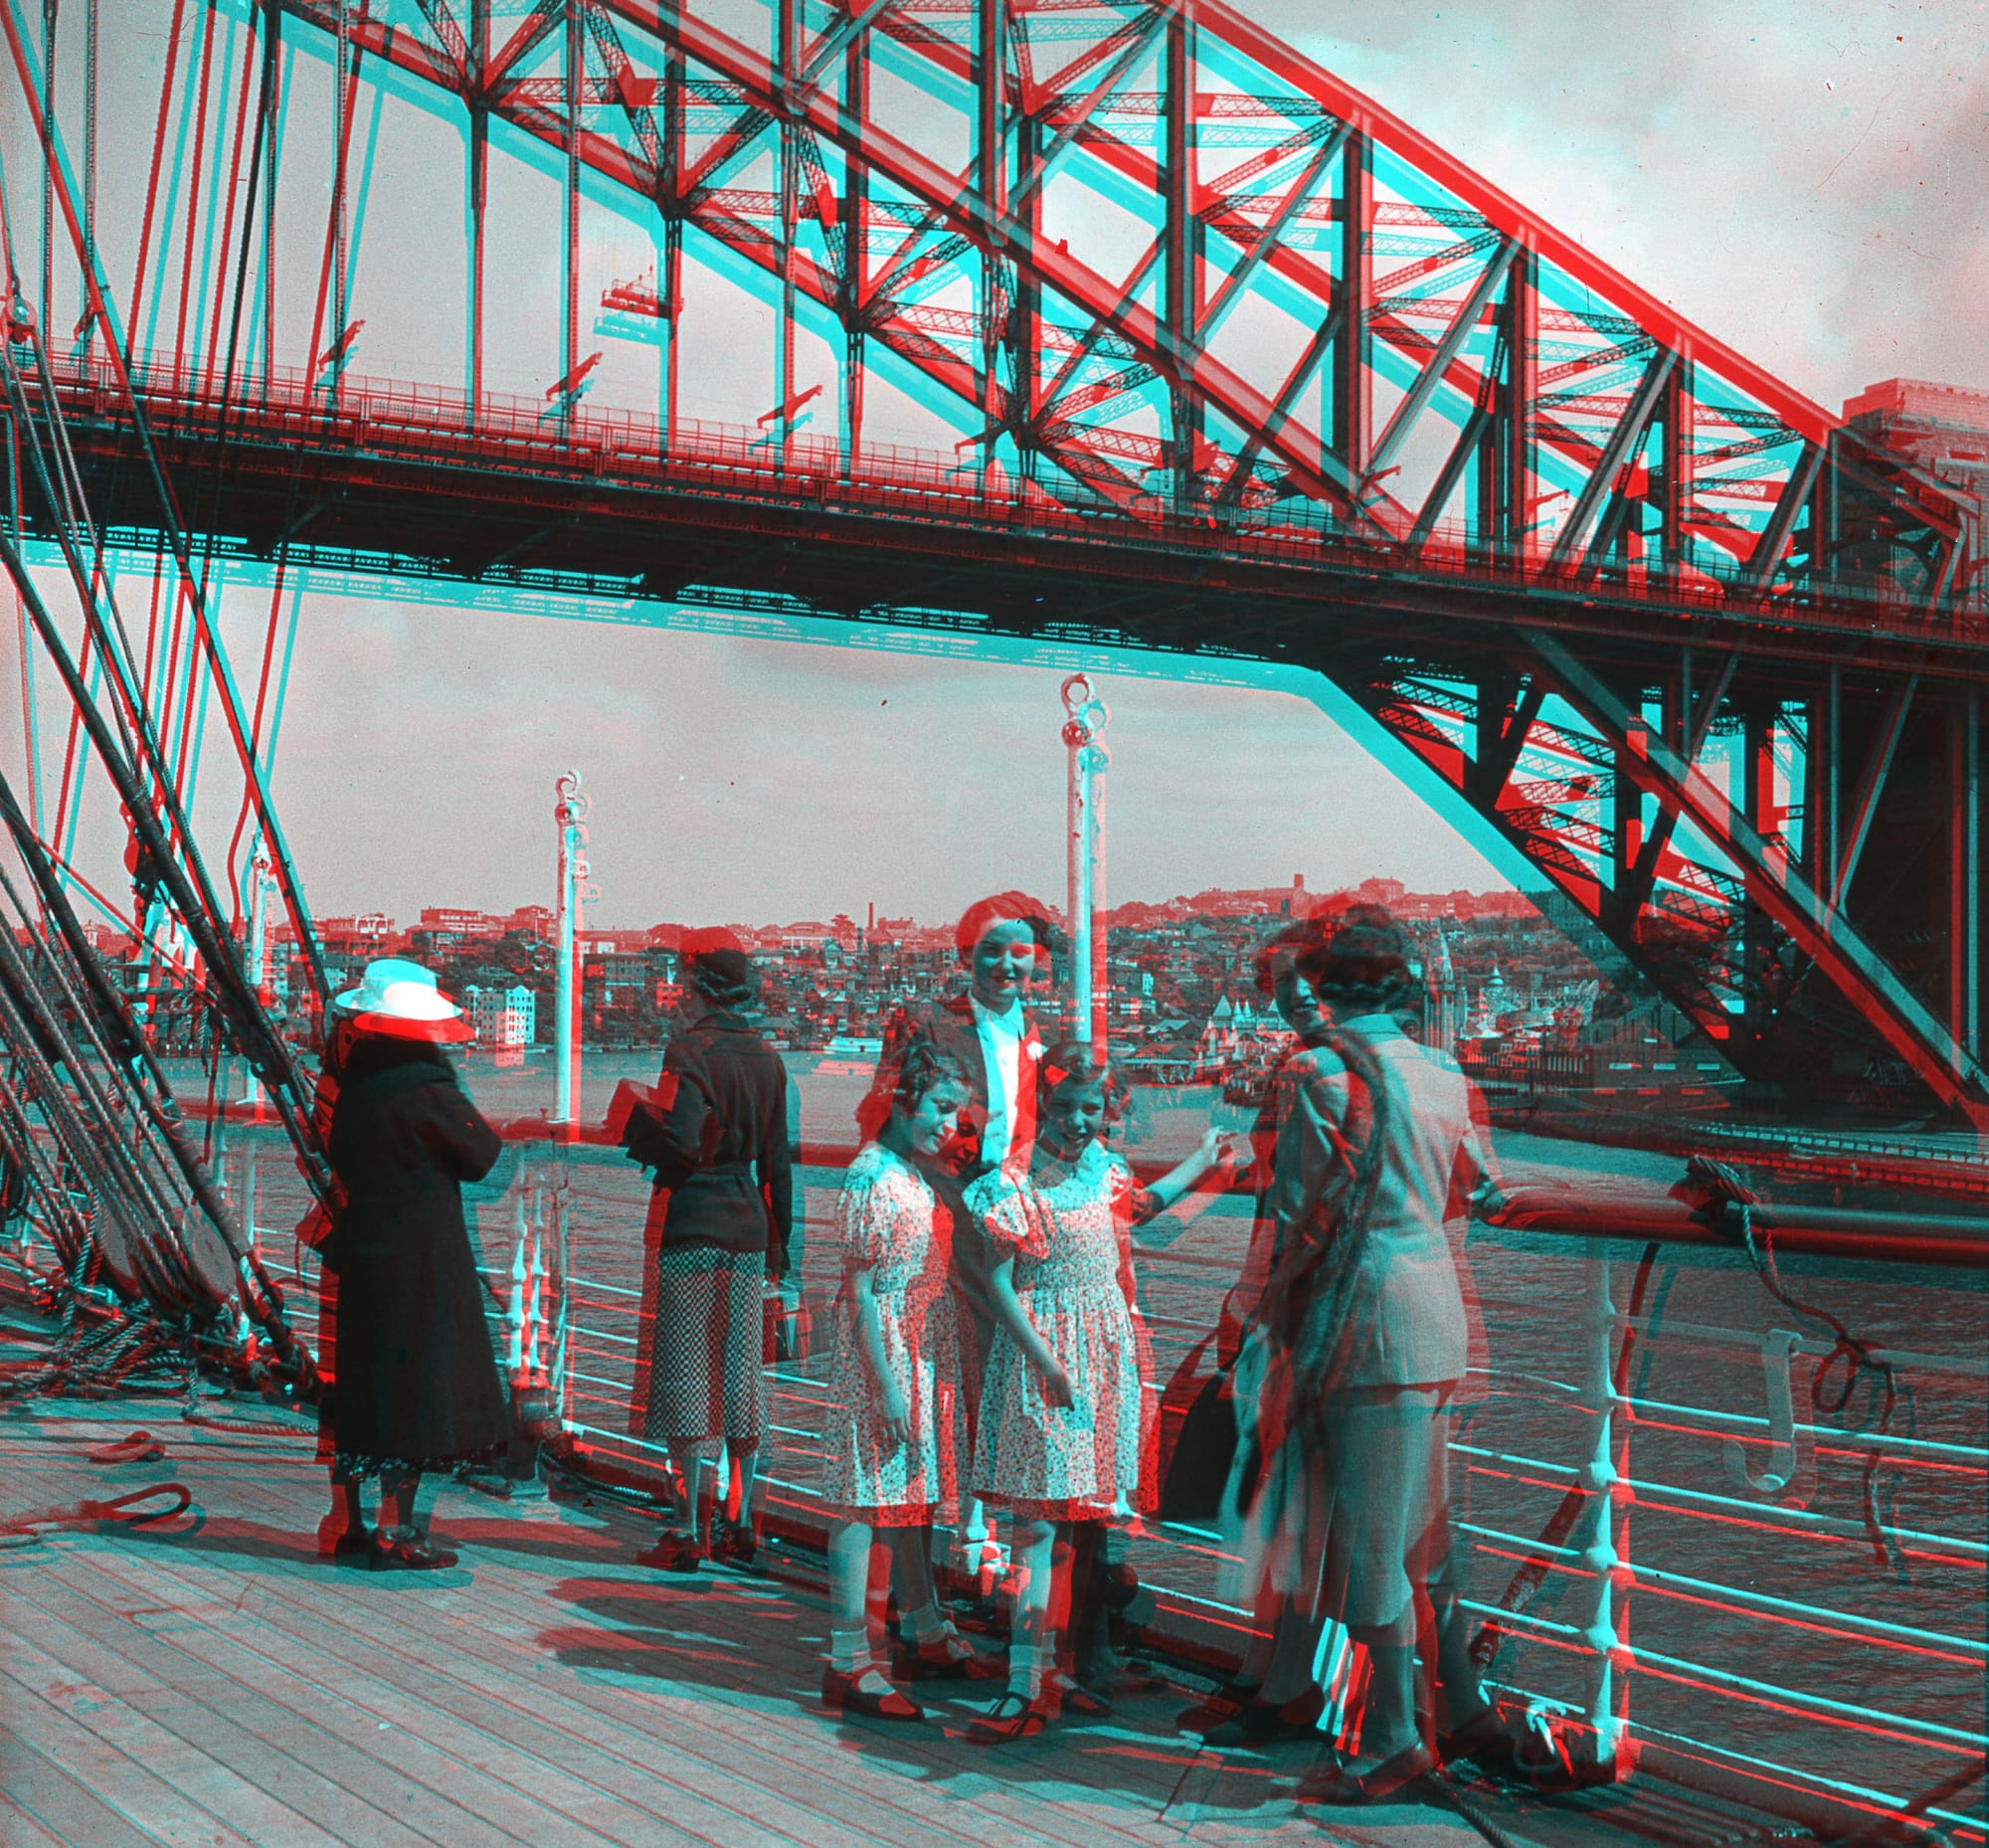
(1722, 1187)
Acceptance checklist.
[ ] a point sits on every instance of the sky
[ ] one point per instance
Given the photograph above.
(1806, 181)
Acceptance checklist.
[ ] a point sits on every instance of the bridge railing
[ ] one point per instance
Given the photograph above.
(1649, 1431)
(267, 420)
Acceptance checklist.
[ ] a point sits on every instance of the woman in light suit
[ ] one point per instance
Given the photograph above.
(1379, 1152)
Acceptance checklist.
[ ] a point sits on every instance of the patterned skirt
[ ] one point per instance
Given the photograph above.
(707, 1374)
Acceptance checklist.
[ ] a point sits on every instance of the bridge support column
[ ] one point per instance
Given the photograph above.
(1966, 901)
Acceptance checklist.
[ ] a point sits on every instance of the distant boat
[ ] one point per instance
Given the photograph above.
(856, 1046)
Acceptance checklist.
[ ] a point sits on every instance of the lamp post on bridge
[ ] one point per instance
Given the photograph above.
(1083, 734)
(570, 812)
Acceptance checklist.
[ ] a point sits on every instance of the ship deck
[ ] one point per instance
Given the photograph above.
(209, 1680)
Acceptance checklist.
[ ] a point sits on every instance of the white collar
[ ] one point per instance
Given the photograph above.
(1010, 1021)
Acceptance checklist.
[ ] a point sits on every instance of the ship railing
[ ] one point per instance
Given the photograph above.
(1806, 1646)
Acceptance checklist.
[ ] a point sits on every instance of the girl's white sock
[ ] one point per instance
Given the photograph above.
(1027, 1659)
(849, 1652)
(926, 1625)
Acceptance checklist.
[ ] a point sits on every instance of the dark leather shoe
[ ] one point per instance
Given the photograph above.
(1013, 1716)
(948, 1658)
(736, 1545)
(846, 1694)
(672, 1552)
(1258, 1722)
(1392, 1780)
(1225, 1703)
(401, 1549)
(337, 1541)
(1073, 1697)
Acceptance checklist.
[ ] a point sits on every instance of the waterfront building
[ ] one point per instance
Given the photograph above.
(503, 1017)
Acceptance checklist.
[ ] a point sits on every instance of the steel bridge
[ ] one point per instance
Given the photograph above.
(1216, 354)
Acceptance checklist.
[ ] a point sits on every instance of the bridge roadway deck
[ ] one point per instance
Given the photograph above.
(210, 1682)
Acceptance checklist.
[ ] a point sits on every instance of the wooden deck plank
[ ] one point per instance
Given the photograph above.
(840, 1790)
(90, 1790)
(207, 1710)
(557, 1687)
(19, 1828)
(705, 1717)
(508, 1754)
(244, 1808)
(384, 1747)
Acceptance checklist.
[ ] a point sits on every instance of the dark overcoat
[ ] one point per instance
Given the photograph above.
(417, 1381)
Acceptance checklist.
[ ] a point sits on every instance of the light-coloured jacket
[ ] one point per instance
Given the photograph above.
(1407, 1322)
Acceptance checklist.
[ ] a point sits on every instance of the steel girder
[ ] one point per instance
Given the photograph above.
(1164, 261)
(1692, 827)
(1142, 256)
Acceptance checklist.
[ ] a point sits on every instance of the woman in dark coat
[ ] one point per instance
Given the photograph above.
(416, 1385)
(721, 1226)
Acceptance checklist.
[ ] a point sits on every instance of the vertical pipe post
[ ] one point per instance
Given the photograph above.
(259, 953)
(785, 59)
(477, 50)
(46, 307)
(570, 812)
(990, 178)
(87, 321)
(272, 56)
(1083, 734)
(1605, 1548)
(1965, 876)
(570, 225)
(338, 107)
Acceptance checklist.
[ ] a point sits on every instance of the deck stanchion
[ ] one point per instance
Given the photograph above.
(1605, 1548)
(1083, 735)
(570, 812)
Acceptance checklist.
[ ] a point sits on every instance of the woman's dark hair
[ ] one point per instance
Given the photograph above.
(1293, 940)
(724, 976)
(1077, 1061)
(902, 1079)
(1365, 966)
(1004, 908)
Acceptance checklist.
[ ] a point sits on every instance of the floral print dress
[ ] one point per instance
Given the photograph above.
(889, 1223)
(1069, 1232)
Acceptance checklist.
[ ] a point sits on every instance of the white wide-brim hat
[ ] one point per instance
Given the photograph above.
(400, 997)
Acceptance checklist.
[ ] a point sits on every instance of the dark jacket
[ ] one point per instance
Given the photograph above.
(718, 1141)
(415, 1378)
(950, 1026)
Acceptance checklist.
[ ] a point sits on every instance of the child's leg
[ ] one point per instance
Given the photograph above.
(918, 1599)
(696, 1459)
(1040, 1550)
(856, 1599)
(744, 1485)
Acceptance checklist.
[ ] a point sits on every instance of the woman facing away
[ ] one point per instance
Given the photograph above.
(1065, 1442)
(416, 1382)
(895, 1428)
(1379, 1152)
(721, 1224)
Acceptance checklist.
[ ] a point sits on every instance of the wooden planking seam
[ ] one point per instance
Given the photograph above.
(199, 1783)
(175, 1704)
(311, 1631)
(60, 1802)
(867, 1798)
(392, 1767)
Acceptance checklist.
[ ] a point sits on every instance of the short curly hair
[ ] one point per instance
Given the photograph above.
(920, 1068)
(1368, 963)
(1295, 940)
(1078, 1061)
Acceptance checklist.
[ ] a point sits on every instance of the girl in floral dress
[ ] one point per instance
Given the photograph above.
(1066, 1431)
(894, 1434)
